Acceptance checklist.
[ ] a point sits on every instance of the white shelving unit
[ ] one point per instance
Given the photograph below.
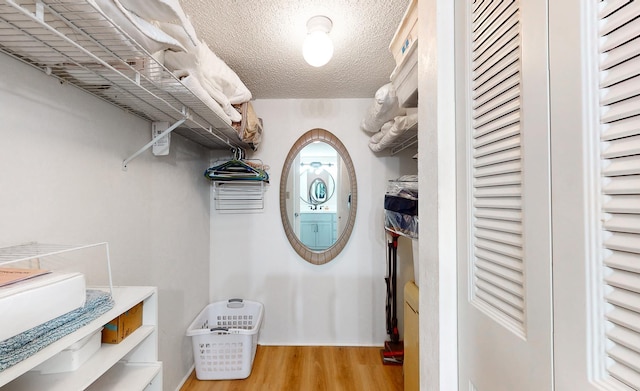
(130, 365)
(78, 44)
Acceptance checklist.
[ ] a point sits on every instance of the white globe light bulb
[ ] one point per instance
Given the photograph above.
(317, 49)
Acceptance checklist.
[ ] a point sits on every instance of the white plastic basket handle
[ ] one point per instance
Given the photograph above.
(235, 303)
(220, 330)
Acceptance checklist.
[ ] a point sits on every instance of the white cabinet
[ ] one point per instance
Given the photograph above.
(130, 365)
(318, 230)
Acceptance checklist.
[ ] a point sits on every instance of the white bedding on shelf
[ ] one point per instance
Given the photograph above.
(167, 11)
(209, 70)
(193, 84)
(392, 131)
(384, 108)
(150, 37)
(29, 303)
(162, 26)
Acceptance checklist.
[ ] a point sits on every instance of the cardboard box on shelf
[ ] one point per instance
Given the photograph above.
(122, 326)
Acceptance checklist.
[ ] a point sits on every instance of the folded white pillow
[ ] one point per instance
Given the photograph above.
(384, 107)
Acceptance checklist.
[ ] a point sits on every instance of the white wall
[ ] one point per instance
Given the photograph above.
(339, 303)
(61, 182)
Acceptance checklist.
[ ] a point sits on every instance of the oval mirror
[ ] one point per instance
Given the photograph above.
(318, 196)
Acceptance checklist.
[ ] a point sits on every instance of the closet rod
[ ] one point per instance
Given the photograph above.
(150, 143)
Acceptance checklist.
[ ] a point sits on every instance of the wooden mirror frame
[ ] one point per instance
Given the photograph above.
(311, 256)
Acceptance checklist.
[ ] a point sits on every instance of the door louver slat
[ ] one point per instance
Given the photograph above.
(612, 6)
(497, 260)
(623, 242)
(498, 237)
(494, 44)
(619, 37)
(623, 185)
(499, 214)
(499, 270)
(490, 139)
(500, 305)
(624, 374)
(628, 281)
(510, 299)
(508, 53)
(498, 180)
(494, 16)
(499, 168)
(625, 356)
(624, 223)
(620, 92)
(502, 191)
(623, 297)
(510, 119)
(623, 166)
(503, 202)
(621, 110)
(620, 185)
(500, 259)
(508, 155)
(514, 227)
(506, 250)
(622, 128)
(624, 261)
(628, 146)
(623, 204)
(625, 337)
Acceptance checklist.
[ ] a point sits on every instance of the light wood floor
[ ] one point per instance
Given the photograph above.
(311, 368)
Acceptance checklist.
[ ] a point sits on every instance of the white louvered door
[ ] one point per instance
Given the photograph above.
(596, 180)
(504, 267)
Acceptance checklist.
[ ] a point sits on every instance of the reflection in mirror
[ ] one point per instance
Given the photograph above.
(318, 196)
(318, 192)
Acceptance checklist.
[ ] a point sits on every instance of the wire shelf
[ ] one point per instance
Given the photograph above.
(75, 42)
(406, 140)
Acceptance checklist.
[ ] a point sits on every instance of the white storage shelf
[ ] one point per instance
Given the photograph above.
(407, 139)
(75, 42)
(132, 362)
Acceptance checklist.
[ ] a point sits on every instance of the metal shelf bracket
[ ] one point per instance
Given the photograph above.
(150, 143)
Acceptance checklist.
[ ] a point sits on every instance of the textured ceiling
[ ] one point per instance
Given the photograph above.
(261, 40)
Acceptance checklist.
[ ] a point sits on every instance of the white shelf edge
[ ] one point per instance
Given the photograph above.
(127, 376)
(124, 297)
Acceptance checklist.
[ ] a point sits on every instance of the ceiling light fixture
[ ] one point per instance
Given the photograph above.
(317, 49)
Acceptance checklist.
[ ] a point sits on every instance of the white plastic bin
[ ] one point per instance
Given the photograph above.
(72, 357)
(225, 338)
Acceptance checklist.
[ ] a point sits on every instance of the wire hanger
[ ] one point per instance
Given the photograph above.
(236, 169)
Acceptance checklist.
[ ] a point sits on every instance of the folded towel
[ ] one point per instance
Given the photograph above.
(26, 344)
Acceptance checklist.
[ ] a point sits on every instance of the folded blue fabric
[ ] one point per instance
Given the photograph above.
(19, 347)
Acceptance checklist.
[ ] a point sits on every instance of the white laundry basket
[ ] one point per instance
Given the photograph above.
(225, 338)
